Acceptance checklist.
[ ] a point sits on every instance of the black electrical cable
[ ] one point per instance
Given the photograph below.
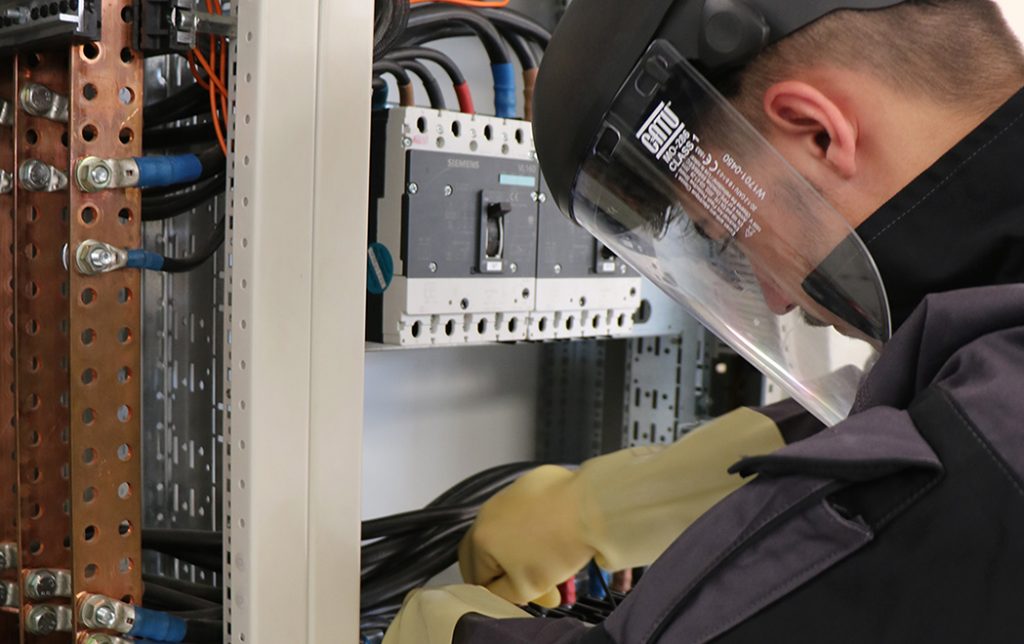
(208, 540)
(460, 491)
(432, 557)
(393, 68)
(430, 84)
(183, 265)
(435, 33)
(522, 48)
(413, 547)
(203, 560)
(164, 598)
(203, 591)
(184, 136)
(185, 103)
(501, 18)
(202, 613)
(433, 16)
(473, 490)
(200, 547)
(520, 23)
(409, 521)
(603, 583)
(204, 631)
(390, 20)
(425, 53)
(164, 207)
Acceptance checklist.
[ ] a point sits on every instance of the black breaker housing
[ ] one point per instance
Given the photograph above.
(30, 23)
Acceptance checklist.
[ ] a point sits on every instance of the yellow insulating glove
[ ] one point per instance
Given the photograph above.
(624, 509)
(429, 615)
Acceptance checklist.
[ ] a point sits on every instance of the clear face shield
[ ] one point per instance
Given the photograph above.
(683, 188)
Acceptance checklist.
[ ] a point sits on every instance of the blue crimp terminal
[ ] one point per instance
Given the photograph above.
(158, 626)
(504, 90)
(168, 170)
(144, 259)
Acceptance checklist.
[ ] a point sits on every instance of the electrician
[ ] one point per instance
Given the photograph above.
(901, 523)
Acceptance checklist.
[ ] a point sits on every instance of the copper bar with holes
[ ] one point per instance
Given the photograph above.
(106, 121)
(41, 331)
(8, 426)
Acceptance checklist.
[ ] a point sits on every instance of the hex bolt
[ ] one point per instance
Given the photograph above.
(105, 615)
(100, 175)
(38, 98)
(101, 258)
(42, 620)
(35, 174)
(41, 584)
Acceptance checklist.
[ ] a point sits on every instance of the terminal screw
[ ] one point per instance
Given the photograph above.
(41, 620)
(105, 615)
(37, 176)
(41, 584)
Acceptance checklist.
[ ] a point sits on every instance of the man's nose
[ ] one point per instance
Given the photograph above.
(777, 302)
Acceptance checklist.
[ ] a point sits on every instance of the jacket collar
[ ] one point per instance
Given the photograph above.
(961, 223)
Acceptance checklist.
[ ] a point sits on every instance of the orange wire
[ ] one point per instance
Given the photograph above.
(195, 71)
(216, 123)
(215, 85)
(485, 4)
(213, 78)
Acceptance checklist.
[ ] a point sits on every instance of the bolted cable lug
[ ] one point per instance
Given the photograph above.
(94, 174)
(40, 100)
(36, 176)
(95, 257)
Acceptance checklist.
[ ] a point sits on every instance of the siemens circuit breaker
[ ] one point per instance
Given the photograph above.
(465, 246)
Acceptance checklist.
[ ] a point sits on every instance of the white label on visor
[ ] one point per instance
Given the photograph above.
(723, 188)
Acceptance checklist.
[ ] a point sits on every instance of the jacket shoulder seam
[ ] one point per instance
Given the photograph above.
(982, 441)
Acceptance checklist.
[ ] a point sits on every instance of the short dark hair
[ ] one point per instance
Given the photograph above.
(959, 52)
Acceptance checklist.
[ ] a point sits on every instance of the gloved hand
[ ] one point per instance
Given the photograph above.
(624, 509)
(429, 615)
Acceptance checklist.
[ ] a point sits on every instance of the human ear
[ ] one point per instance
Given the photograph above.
(814, 123)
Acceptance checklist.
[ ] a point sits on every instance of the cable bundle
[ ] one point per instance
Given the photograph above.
(404, 551)
(501, 31)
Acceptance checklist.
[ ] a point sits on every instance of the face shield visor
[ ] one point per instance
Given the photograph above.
(684, 189)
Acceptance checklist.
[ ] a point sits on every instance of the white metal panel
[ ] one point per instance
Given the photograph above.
(338, 317)
(436, 416)
(297, 250)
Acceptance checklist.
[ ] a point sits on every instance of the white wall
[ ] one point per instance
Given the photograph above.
(1014, 10)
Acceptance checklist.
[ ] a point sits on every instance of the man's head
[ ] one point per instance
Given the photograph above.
(861, 102)
(858, 96)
